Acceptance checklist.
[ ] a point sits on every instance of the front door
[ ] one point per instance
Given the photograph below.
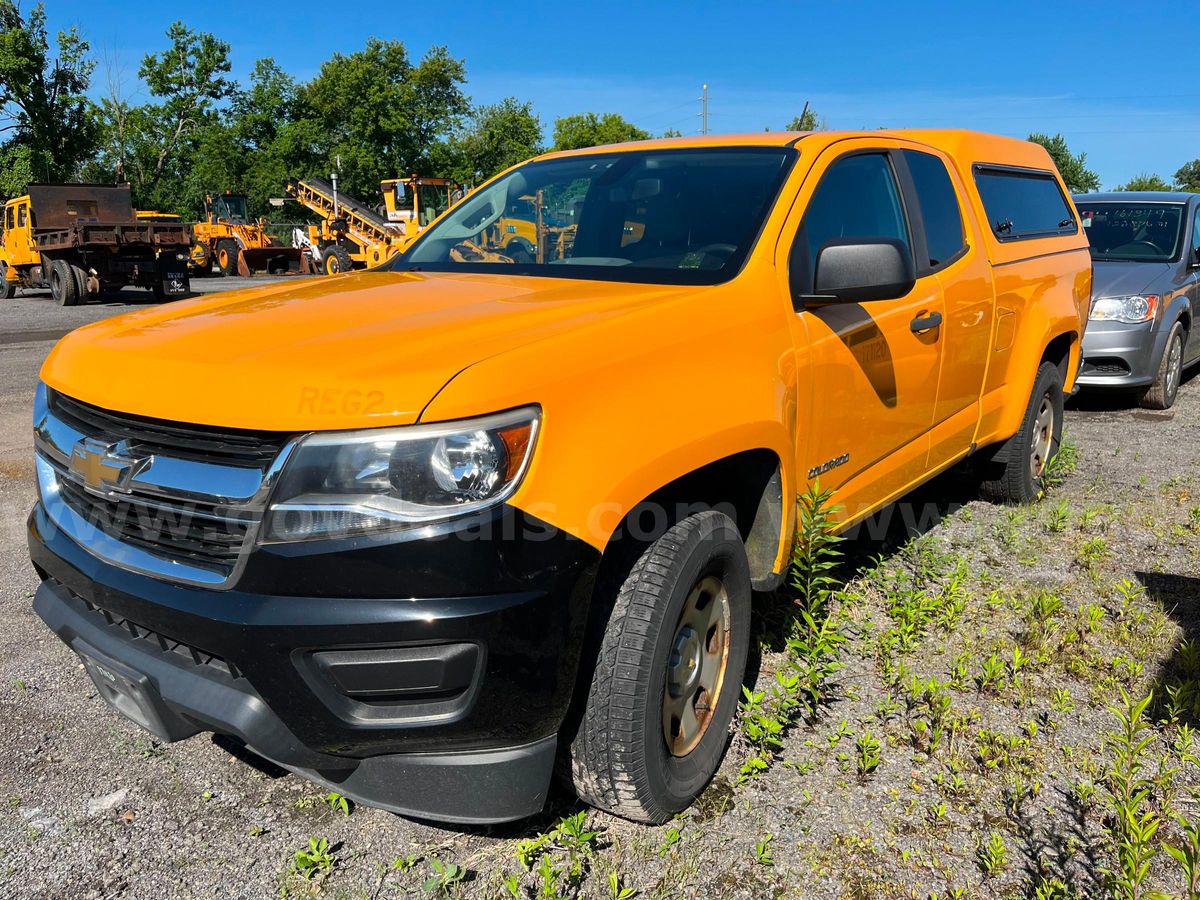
(873, 366)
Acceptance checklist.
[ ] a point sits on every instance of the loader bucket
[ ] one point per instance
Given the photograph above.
(272, 260)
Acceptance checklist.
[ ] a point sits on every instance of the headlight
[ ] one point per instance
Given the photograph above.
(357, 482)
(1131, 310)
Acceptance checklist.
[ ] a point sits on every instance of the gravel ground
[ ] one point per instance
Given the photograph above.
(96, 808)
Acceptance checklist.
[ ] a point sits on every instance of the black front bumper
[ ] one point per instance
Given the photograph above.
(433, 686)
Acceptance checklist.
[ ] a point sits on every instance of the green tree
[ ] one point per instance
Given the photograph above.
(808, 120)
(381, 115)
(591, 130)
(190, 79)
(497, 136)
(1146, 182)
(672, 133)
(1188, 176)
(51, 126)
(1078, 177)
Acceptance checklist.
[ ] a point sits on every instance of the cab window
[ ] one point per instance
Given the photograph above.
(20, 216)
(858, 197)
(8, 217)
(1196, 237)
(940, 212)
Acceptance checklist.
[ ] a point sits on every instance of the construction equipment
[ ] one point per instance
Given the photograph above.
(81, 239)
(227, 241)
(353, 235)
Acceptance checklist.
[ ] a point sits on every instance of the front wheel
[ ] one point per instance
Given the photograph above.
(227, 257)
(1021, 475)
(8, 289)
(668, 674)
(336, 259)
(1162, 393)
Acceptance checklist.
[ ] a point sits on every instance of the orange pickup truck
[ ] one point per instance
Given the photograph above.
(418, 532)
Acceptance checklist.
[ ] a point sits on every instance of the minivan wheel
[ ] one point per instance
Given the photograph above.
(1019, 476)
(1162, 393)
(668, 674)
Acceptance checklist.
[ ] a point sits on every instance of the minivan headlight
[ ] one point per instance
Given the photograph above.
(1130, 309)
(342, 484)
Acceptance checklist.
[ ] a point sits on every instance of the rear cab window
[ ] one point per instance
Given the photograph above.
(938, 204)
(1023, 203)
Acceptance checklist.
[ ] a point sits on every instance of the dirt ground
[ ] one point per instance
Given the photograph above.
(961, 745)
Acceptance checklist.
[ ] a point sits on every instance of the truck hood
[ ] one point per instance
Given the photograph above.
(1119, 278)
(361, 350)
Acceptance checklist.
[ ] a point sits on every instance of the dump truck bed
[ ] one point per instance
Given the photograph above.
(79, 215)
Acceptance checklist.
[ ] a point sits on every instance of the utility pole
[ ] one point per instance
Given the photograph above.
(704, 111)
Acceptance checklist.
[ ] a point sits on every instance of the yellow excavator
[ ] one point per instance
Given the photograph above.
(228, 242)
(353, 235)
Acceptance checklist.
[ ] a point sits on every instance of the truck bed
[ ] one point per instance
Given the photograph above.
(112, 234)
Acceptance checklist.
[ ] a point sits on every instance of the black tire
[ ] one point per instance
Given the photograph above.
(520, 250)
(8, 289)
(336, 259)
(619, 756)
(80, 276)
(62, 283)
(1018, 475)
(226, 257)
(1162, 393)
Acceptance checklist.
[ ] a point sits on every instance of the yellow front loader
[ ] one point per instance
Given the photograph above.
(228, 242)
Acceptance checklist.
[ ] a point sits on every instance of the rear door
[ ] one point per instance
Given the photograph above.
(950, 249)
(874, 366)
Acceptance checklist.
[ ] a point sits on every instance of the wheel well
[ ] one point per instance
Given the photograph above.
(747, 486)
(1058, 351)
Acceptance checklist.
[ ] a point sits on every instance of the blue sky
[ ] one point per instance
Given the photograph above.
(1113, 77)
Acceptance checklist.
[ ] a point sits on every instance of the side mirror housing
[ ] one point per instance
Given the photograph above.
(857, 270)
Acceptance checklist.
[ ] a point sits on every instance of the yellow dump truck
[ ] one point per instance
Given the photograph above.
(83, 239)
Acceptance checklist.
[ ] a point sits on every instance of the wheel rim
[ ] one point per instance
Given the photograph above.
(1174, 365)
(1043, 437)
(331, 265)
(223, 259)
(696, 665)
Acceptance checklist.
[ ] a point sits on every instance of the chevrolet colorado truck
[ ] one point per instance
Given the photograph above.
(419, 533)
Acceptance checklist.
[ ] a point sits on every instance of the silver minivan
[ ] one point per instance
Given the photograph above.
(1145, 289)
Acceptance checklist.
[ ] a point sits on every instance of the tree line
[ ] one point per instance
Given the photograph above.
(372, 114)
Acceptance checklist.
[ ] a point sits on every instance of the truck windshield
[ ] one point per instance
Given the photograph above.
(231, 207)
(660, 216)
(434, 200)
(1133, 232)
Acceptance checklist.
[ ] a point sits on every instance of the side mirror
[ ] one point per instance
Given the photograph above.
(858, 270)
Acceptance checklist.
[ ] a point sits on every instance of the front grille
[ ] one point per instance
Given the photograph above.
(199, 442)
(194, 532)
(185, 520)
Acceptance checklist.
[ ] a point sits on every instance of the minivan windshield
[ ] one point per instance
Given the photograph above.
(662, 216)
(1133, 232)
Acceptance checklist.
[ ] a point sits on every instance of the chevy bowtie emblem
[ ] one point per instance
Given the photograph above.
(107, 467)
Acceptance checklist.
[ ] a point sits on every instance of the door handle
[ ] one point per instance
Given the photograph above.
(925, 323)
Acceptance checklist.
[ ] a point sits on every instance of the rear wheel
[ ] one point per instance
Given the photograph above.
(62, 283)
(8, 289)
(1162, 393)
(336, 259)
(80, 276)
(227, 257)
(668, 674)
(1020, 477)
